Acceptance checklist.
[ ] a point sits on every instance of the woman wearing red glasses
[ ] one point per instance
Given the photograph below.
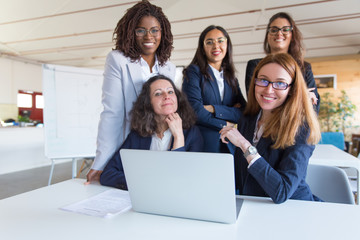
(283, 36)
(277, 134)
(212, 88)
(143, 45)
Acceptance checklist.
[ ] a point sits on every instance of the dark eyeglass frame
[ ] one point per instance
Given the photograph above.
(284, 30)
(142, 34)
(258, 80)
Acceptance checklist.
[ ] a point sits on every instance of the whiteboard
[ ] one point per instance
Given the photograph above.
(72, 107)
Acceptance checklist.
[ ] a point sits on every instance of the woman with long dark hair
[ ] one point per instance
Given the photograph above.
(212, 88)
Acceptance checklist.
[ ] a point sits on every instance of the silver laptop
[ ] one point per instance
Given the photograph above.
(182, 184)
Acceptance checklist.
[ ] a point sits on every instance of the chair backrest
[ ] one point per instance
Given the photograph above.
(335, 138)
(330, 184)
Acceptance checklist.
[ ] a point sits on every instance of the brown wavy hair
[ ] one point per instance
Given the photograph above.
(227, 64)
(143, 117)
(124, 33)
(296, 47)
(296, 112)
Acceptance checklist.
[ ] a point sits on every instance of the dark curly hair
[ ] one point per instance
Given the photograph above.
(124, 33)
(296, 47)
(143, 117)
(227, 64)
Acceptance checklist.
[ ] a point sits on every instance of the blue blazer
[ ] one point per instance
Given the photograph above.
(279, 173)
(308, 76)
(202, 91)
(113, 174)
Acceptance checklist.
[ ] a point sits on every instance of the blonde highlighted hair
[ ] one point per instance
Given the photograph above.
(296, 112)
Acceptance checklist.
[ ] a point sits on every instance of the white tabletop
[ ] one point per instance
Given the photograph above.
(36, 215)
(327, 154)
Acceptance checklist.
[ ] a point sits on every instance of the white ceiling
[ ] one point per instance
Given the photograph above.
(79, 32)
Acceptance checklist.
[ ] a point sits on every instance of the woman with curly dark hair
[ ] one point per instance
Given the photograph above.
(161, 120)
(212, 88)
(283, 36)
(143, 44)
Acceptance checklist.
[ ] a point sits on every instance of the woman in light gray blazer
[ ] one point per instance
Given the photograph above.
(143, 46)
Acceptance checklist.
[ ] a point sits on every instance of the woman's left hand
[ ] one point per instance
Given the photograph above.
(174, 122)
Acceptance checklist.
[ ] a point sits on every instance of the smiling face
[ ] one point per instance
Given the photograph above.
(215, 52)
(268, 97)
(148, 43)
(163, 98)
(279, 42)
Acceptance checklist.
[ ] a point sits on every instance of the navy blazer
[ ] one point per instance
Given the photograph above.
(279, 173)
(308, 76)
(202, 91)
(113, 174)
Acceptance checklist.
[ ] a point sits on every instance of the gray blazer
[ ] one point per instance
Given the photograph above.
(122, 85)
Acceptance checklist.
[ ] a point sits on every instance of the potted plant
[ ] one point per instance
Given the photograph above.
(23, 120)
(335, 114)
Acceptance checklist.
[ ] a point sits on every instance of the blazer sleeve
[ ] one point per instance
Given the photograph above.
(280, 183)
(231, 114)
(112, 117)
(192, 87)
(113, 174)
(193, 140)
(310, 82)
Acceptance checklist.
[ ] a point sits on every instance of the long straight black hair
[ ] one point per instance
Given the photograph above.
(227, 64)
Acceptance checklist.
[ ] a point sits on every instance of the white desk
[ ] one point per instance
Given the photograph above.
(327, 154)
(36, 215)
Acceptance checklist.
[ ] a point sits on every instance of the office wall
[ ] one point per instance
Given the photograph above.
(347, 69)
(14, 76)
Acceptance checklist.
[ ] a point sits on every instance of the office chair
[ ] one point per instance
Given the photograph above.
(335, 138)
(330, 184)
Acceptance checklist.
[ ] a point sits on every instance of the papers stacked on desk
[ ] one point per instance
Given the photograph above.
(106, 204)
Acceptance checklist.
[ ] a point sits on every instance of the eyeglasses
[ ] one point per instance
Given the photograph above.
(140, 32)
(276, 85)
(284, 30)
(210, 42)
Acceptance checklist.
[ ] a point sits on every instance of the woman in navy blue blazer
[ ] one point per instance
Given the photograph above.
(161, 120)
(277, 133)
(212, 88)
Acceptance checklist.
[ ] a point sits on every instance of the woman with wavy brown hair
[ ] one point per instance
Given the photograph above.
(161, 120)
(277, 133)
(283, 36)
(143, 44)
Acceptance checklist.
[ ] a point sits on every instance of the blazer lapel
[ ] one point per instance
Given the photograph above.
(145, 142)
(166, 71)
(214, 86)
(134, 70)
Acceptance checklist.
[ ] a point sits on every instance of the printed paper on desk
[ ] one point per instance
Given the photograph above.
(105, 204)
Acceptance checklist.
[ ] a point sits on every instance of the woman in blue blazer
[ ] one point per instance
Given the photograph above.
(143, 42)
(212, 88)
(161, 120)
(277, 134)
